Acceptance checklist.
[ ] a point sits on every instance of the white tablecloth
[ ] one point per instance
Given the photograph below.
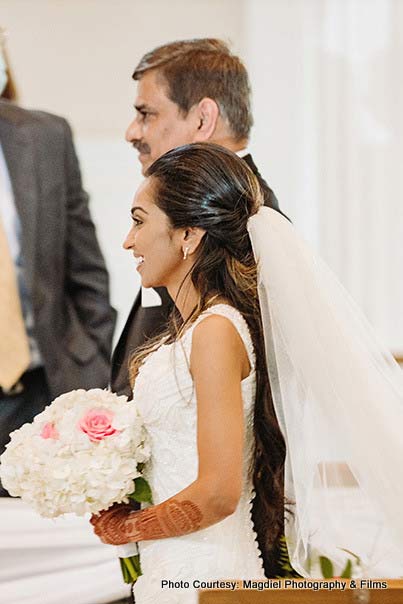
(54, 561)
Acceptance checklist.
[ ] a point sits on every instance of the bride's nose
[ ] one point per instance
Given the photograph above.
(129, 241)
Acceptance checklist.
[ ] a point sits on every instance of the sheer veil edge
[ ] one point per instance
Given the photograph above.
(338, 396)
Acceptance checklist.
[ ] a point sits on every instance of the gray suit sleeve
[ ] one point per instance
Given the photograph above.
(87, 278)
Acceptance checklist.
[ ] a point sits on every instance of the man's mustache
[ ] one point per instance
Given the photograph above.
(141, 147)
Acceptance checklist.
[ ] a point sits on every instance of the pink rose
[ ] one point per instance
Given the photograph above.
(49, 431)
(97, 424)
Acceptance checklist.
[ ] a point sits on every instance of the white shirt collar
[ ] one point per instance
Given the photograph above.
(243, 152)
(8, 211)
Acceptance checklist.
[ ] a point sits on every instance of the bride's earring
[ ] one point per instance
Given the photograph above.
(185, 253)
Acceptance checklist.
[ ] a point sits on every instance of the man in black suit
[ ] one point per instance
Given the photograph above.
(188, 91)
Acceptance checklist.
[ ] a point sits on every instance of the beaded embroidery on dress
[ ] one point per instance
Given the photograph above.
(165, 396)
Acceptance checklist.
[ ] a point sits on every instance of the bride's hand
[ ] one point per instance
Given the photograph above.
(115, 525)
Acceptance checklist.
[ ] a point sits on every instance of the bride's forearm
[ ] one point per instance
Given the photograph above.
(187, 512)
(169, 519)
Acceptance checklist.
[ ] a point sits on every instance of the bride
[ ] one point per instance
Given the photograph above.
(210, 402)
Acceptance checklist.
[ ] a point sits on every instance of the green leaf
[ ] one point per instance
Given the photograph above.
(326, 567)
(346, 574)
(358, 559)
(142, 491)
(284, 567)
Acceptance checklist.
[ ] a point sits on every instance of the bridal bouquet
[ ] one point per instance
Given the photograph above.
(82, 454)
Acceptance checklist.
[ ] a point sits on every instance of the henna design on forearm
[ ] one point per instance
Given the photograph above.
(169, 519)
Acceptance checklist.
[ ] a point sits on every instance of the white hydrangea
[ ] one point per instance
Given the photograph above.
(79, 455)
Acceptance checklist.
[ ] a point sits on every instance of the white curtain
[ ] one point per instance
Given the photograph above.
(328, 98)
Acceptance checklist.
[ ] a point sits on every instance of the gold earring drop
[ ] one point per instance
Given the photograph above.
(185, 253)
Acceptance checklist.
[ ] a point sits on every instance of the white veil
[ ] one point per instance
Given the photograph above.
(338, 396)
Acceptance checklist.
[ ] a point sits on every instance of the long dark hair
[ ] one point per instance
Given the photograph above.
(204, 185)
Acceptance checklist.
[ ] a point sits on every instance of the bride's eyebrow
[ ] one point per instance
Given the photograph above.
(134, 208)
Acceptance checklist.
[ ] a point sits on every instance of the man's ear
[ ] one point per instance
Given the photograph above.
(207, 114)
(191, 239)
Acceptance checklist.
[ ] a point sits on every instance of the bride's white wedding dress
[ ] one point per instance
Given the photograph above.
(164, 393)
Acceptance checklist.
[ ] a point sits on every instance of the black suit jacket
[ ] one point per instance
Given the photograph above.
(144, 323)
(64, 268)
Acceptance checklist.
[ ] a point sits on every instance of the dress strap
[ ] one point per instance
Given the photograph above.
(238, 321)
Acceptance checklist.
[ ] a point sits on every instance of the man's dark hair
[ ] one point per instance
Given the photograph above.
(199, 68)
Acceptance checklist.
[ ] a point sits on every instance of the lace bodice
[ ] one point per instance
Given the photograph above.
(164, 393)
